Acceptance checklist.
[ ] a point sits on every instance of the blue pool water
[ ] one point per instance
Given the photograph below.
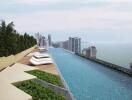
(90, 81)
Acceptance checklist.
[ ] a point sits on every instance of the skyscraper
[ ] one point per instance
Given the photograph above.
(74, 44)
(49, 40)
(90, 52)
(42, 41)
(65, 44)
(77, 45)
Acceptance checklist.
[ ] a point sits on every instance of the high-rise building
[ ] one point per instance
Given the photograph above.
(49, 40)
(90, 52)
(77, 45)
(41, 40)
(74, 44)
(70, 44)
(65, 44)
(130, 64)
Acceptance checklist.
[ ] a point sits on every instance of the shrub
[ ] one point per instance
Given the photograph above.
(38, 92)
(54, 79)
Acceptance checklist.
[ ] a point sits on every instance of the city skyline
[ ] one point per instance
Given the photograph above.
(96, 21)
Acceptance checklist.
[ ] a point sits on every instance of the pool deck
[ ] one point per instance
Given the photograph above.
(13, 74)
(16, 73)
(10, 92)
(50, 68)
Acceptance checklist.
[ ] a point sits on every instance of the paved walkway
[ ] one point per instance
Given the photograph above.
(50, 68)
(16, 73)
(13, 74)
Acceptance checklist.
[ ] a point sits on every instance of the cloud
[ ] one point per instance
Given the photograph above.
(35, 2)
(42, 2)
(108, 16)
(76, 20)
(29, 6)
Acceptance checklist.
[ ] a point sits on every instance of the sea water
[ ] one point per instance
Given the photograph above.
(116, 53)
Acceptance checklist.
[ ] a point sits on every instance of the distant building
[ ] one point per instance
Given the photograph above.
(74, 44)
(49, 40)
(58, 44)
(70, 44)
(37, 35)
(130, 64)
(55, 45)
(84, 51)
(41, 40)
(65, 45)
(90, 52)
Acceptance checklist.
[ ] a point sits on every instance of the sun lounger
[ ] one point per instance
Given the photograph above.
(44, 62)
(45, 55)
(42, 49)
(41, 59)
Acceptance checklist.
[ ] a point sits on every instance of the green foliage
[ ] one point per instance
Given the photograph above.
(54, 79)
(11, 42)
(38, 92)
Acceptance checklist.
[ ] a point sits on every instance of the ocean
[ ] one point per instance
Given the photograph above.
(116, 53)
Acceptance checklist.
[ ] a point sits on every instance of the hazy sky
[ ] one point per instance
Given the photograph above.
(93, 20)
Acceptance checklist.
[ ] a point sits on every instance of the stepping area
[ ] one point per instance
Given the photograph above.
(17, 73)
(12, 74)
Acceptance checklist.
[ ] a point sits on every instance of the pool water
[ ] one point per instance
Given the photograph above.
(90, 81)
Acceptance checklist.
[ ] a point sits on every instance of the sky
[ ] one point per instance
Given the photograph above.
(92, 20)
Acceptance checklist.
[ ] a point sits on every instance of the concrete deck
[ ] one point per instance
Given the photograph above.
(16, 73)
(10, 92)
(13, 74)
(50, 68)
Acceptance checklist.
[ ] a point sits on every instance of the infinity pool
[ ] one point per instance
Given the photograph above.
(90, 81)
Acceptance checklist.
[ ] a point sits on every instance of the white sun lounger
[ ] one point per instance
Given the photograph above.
(41, 62)
(42, 49)
(41, 59)
(40, 53)
(45, 55)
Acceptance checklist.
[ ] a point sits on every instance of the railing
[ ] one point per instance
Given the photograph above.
(7, 61)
